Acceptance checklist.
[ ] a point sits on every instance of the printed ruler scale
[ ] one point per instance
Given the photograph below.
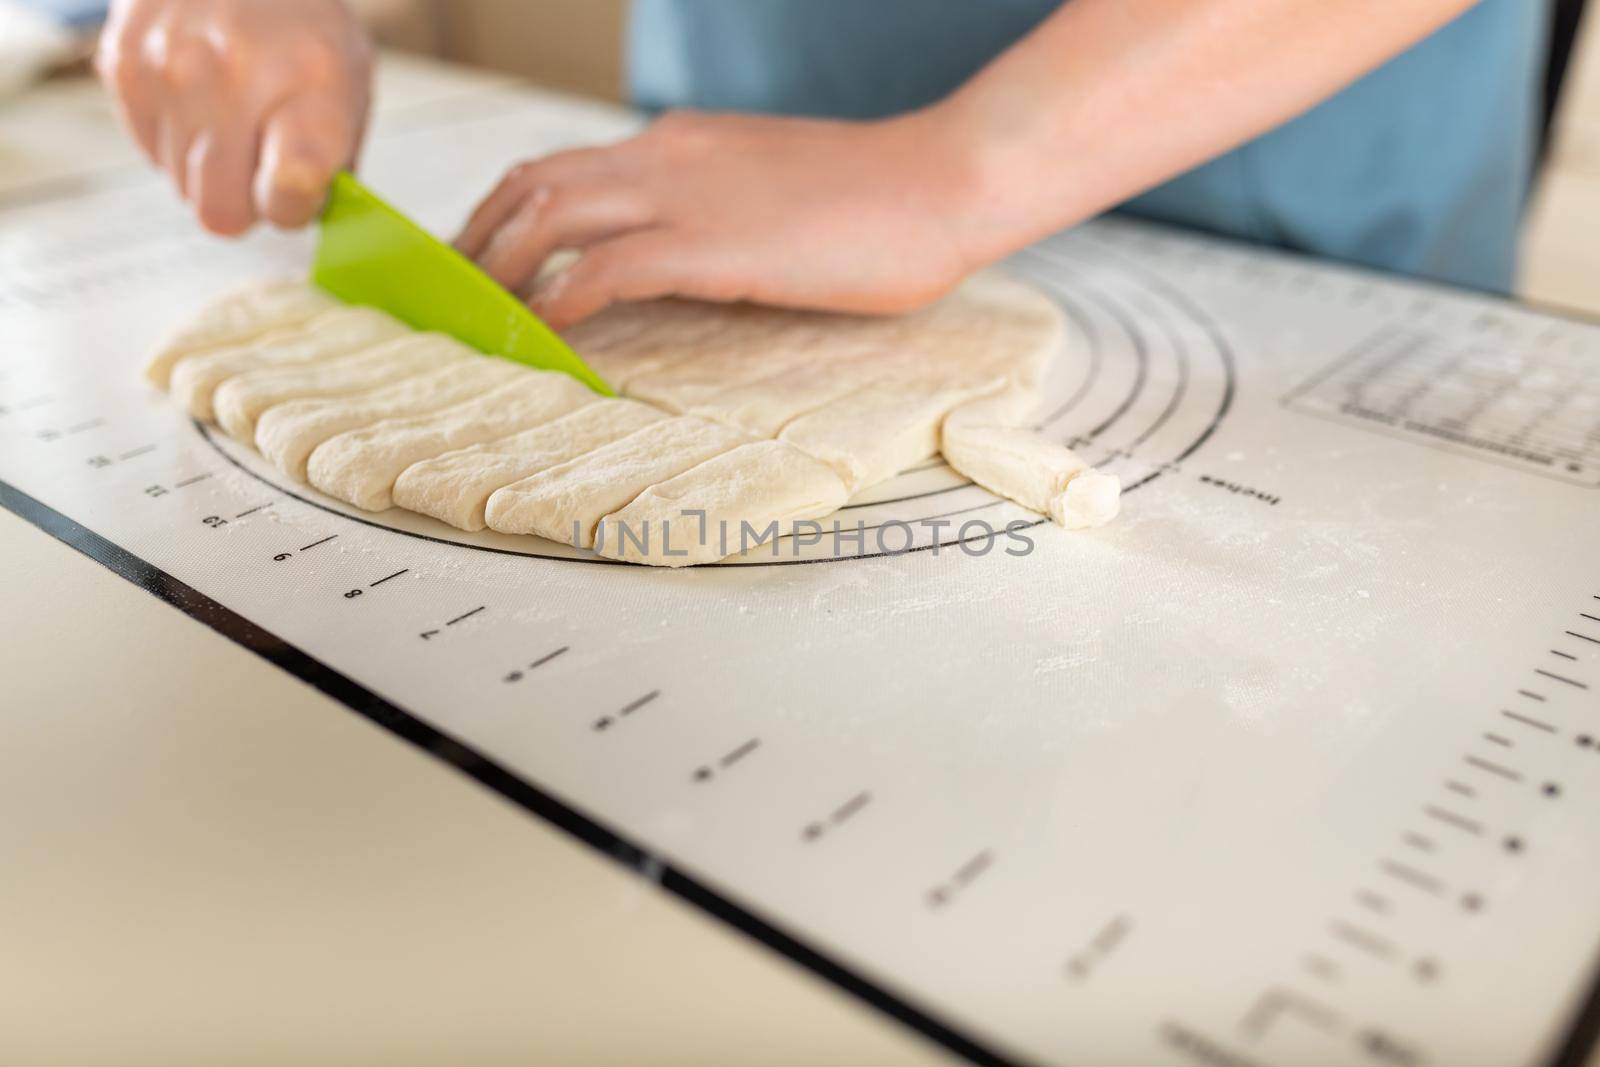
(1295, 764)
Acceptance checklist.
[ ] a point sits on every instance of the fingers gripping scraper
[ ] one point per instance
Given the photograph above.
(371, 254)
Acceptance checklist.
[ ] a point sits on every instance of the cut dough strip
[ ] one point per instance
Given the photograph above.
(777, 416)
(196, 379)
(681, 388)
(792, 340)
(875, 433)
(1091, 499)
(288, 433)
(238, 317)
(736, 501)
(631, 340)
(1022, 466)
(765, 408)
(360, 467)
(456, 487)
(567, 502)
(240, 400)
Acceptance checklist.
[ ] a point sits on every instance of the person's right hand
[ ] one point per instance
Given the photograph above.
(250, 105)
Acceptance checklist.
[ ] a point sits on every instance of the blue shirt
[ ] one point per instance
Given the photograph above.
(82, 13)
(1422, 166)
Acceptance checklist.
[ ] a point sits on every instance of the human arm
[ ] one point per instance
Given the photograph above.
(1103, 100)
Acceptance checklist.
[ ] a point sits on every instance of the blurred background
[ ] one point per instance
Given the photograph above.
(574, 45)
(577, 46)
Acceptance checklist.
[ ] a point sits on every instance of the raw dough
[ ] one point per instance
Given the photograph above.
(567, 502)
(455, 487)
(335, 333)
(238, 317)
(982, 441)
(759, 488)
(764, 408)
(240, 400)
(630, 340)
(875, 433)
(289, 433)
(777, 415)
(1015, 405)
(360, 467)
(1092, 499)
(989, 322)
(682, 387)
(762, 344)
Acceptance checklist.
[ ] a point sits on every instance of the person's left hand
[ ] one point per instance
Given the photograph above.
(856, 217)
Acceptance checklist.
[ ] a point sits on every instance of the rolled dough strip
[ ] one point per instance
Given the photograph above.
(730, 503)
(1020, 465)
(289, 433)
(360, 467)
(240, 400)
(455, 487)
(1016, 464)
(875, 433)
(332, 334)
(567, 502)
(1092, 499)
(239, 316)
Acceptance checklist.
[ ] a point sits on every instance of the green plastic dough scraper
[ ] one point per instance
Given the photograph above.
(371, 254)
